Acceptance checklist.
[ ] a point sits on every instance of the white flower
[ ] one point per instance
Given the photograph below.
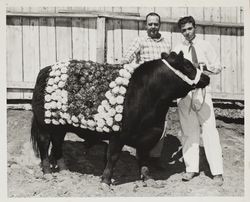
(115, 90)
(48, 113)
(59, 105)
(52, 73)
(100, 122)
(116, 128)
(69, 121)
(91, 128)
(106, 129)
(111, 112)
(91, 123)
(53, 105)
(62, 121)
(51, 81)
(53, 96)
(112, 101)
(112, 84)
(100, 109)
(118, 117)
(98, 129)
(53, 114)
(57, 73)
(74, 119)
(55, 122)
(56, 79)
(49, 89)
(64, 70)
(130, 69)
(47, 121)
(47, 106)
(110, 121)
(125, 81)
(119, 109)
(64, 108)
(64, 94)
(83, 121)
(118, 80)
(127, 75)
(61, 84)
(104, 102)
(76, 124)
(64, 77)
(122, 72)
(47, 98)
(122, 90)
(83, 126)
(108, 95)
(119, 99)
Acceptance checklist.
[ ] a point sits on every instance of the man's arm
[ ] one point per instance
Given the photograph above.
(213, 65)
(134, 49)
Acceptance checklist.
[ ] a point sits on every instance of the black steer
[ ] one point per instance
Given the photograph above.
(152, 87)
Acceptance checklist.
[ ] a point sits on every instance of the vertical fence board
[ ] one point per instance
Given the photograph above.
(177, 12)
(166, 32)
(129, 32)
(212, 14)
(212, 34)
(79, 39)
(100, 39)
(117, 41)
(31, 61)
(110, 41)
(92, 39)
(63, 38)
(14, 54)
(47, 42)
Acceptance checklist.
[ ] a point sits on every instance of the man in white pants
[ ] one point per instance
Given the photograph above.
(197, 116)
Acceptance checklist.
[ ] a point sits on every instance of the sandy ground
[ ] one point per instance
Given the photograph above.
(25, 178)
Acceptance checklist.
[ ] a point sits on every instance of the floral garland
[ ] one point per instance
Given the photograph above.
(87, 94)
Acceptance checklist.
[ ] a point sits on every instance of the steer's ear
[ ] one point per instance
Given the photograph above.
(180, 57)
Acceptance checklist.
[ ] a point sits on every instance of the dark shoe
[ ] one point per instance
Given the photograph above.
(188, 176)
(218, 180)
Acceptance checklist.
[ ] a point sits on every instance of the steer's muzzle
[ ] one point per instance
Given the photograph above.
(203, 82)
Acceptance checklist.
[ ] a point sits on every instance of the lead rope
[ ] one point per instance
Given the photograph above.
(203, 101)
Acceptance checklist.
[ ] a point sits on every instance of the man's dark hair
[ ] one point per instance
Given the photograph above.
(184, 20)
(153, 14)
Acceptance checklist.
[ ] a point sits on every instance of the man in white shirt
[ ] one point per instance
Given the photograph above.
(199, 120)
(146, 48)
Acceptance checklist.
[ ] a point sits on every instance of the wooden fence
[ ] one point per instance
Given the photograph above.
(37, 37)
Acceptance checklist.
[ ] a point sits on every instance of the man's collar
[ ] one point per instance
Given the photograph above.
(186, 42)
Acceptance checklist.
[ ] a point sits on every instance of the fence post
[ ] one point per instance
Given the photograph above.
(100, 49)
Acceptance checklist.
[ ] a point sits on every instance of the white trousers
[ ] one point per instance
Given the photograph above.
(194, 124)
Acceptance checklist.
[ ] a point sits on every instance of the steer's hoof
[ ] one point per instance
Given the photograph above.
(105, 187)
(152, 183)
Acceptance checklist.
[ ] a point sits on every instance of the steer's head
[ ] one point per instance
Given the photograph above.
(196, 78)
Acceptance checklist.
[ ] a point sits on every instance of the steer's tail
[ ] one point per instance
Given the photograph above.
(34, 136)
(37, 126)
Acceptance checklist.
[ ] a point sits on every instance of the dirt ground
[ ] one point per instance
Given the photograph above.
(25, 178)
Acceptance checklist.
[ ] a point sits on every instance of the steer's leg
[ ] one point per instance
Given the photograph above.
(43, 142)
(57, 142)
(113, 153)
(146, 141)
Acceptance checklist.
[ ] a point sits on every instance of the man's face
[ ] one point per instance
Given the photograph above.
(188, 31)
(153, 26)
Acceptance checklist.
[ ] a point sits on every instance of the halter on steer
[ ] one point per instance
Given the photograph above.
(190, 82)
